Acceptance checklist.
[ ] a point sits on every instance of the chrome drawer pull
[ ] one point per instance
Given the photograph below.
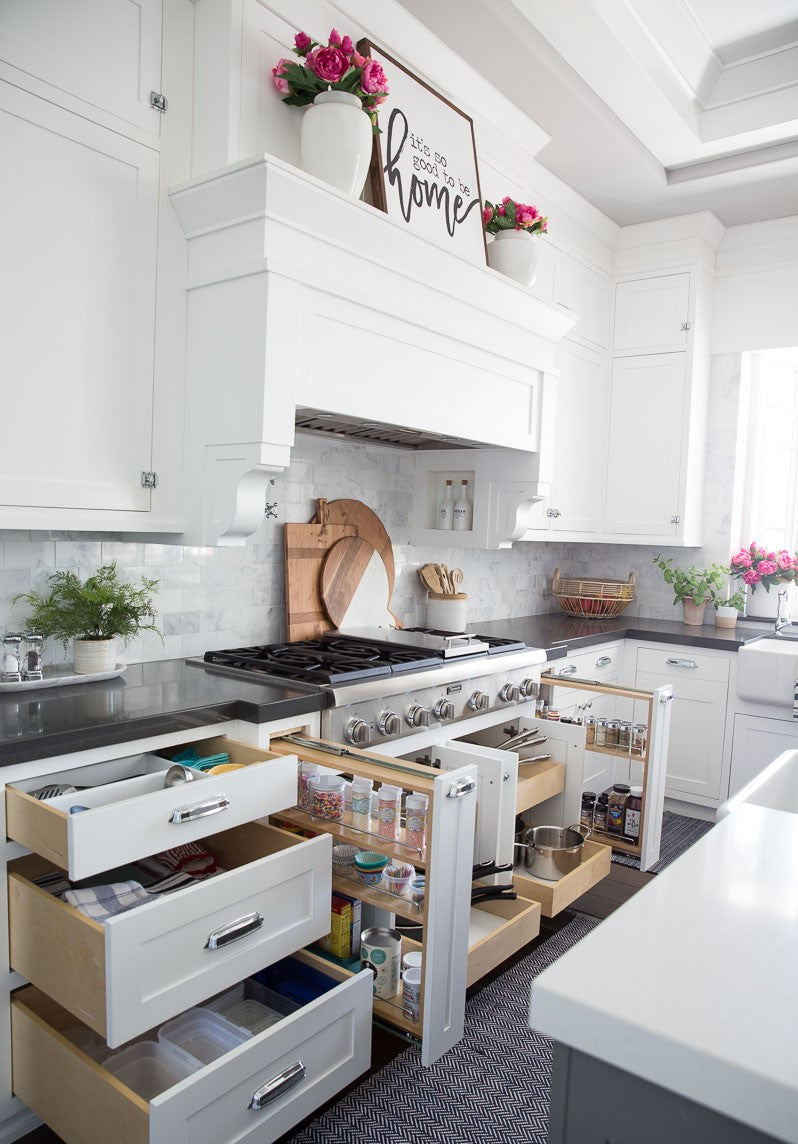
(691, 663)
(604, 661)
(234, 930)
(570, 670)
(278, 1085)
(199, 810)
(461, 788)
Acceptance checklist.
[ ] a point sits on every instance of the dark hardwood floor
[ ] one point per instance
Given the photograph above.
(621, 883)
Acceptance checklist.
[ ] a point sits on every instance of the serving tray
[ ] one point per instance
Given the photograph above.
(59, 677)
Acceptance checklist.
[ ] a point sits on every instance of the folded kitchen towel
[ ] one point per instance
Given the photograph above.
(102, 902)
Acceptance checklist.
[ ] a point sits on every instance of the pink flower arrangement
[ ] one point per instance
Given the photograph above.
(756, 565)
(338, 67)
(510, 215)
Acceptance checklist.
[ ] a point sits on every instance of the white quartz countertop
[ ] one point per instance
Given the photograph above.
(693, 983)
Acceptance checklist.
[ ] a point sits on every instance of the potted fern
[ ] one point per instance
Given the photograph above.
(92, 614)
(694, 587)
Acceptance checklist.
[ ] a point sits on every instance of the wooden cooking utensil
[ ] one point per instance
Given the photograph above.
(341, 574)
(363, 522)
(456, 577)
(430, 579)
(445, 586)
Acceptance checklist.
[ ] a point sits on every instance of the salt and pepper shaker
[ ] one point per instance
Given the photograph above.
(32, 659)
(12, 658)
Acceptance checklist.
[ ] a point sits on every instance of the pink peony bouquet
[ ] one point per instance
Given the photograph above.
(338, 67)
(510, 215)
(756, 565)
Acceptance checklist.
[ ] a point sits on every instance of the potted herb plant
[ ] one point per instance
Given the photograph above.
(694, 587)
(729, 608)
(93, 614)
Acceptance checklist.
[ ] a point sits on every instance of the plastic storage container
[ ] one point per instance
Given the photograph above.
(203, 1034)
(327, 797)
(150, 1067)
(390, 801)
(361, 802)
(307, 771)
(252, 1006)
(397, 878)
(416, 820)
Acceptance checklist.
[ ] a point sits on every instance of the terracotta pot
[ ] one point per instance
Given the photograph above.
(693, 612)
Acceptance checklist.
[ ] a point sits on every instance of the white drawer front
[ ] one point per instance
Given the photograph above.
(135, 817)
(679, 663)
(143, 966)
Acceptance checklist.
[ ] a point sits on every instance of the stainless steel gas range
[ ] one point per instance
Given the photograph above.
(400, 690)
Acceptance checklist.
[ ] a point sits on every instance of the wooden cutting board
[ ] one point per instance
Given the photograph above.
(306, 546)
(365, 524)
(354, 585)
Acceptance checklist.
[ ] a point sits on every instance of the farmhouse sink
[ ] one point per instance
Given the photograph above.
(767, 670)
(776, 787)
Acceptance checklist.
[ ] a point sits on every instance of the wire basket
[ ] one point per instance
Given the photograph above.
(593, 598)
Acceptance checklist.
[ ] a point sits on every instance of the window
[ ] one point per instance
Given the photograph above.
(770, 499)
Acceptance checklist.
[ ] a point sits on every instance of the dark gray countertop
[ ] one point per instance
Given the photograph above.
(149, 699)
(555, 630)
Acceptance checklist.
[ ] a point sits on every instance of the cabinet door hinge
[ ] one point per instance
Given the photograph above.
(676, 520)
(158, 102)
(149, 480)
(685, 326)
(553, 512)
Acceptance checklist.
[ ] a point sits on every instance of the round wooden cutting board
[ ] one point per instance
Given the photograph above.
(367, 526)
(354, 585)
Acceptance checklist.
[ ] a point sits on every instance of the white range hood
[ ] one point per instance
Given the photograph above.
(307, 307)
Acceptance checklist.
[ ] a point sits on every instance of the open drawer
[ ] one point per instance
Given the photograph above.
(145, 965)
(305, 1059)
(555, 896)
(131, 814)
(497, 929)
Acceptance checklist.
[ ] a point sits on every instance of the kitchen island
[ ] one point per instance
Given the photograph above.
(677, 1017)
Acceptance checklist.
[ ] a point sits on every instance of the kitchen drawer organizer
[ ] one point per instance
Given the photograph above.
(555, 896)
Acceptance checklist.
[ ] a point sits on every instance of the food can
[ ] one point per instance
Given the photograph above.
(380, 951)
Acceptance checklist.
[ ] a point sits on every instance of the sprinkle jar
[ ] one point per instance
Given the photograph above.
(327, 797)
(390, 798)
(306, 772)
(416, 820)
(361, 802)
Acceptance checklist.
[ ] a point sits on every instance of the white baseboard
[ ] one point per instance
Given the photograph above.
(690, 809)
(17, 1126)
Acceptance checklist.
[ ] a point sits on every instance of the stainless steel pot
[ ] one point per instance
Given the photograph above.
(551, 851)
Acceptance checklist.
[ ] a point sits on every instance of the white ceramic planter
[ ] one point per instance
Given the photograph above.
(90, 656)
(447, 614)
(764, 605)
(725, 617)
(513, 252)
(336, 141)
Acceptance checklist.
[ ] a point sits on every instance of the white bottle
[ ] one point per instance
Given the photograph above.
(462, 510)
(446, 508)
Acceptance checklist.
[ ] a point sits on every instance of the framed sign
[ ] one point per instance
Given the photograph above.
(424, 163)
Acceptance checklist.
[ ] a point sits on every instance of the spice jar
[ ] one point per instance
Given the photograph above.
(601, 732)
(327, 797)
(625, 734)
(632, 813)
(390, 798)
(590, 730)
(306, 772)
(600, 813)
(588, 806)
(612, 733)
(361, 802)
(639, 734)
(416, 820)
(615, 808)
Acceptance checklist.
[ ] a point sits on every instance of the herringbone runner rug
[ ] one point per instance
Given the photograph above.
(491, 1088)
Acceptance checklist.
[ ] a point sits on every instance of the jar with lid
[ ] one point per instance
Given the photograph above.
(615, 808)
(361, 802)
(390, 798)
(639, 735)
(632, 814)
(306, 772)
(624, 734)
(601, 732)
(590, 730)
(416, 820)
(612, 733)
(587, 811)
(327, 798)
(600, 813)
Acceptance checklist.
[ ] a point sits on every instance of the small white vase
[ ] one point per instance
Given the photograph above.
(336, 141)
(91, 656)
(514, 253)
(725, 617)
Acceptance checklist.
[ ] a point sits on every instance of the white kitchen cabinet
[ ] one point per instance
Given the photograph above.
(652, 314)
(756, 742)
(585, 290)
(700, 691)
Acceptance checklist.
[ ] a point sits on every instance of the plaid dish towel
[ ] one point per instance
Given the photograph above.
(191, 858)
(102, 902)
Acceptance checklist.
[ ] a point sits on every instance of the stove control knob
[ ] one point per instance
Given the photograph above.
(389, 723)
(529, 688)
(444, 709)
(418, 716)
(356, 732)
(479, 701)
(510, 693)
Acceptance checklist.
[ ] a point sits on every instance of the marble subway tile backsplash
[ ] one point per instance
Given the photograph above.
(226, 597)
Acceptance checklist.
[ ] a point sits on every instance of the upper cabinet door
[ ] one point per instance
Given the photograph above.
(106, 53)
(652, 314)
(78, 219)
(577, 489)
(587, 292)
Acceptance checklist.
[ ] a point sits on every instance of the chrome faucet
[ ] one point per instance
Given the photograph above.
(782, 611)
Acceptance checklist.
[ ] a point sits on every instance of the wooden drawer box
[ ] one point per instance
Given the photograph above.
(555, 896)
(143, 966)
(497, 929)
(329, 1040)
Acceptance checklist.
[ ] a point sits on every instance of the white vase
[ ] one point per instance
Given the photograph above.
(725, 617)
(336, 141)
(514, 253)
(777, 603)
(91, 656)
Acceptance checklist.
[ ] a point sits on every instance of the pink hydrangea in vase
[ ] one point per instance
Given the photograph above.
(512, 225)
(756, 565)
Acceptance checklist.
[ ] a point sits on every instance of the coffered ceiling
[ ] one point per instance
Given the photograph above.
(654, 107)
